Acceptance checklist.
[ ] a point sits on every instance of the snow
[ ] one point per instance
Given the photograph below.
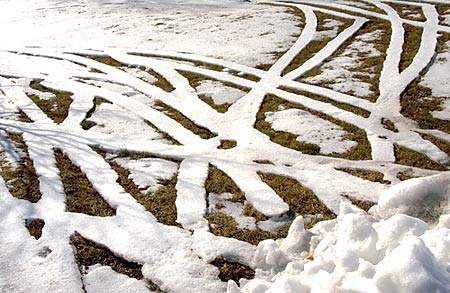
(103, 279)
(401, 244)
(359, 251)
(250, 32)
(425, 198)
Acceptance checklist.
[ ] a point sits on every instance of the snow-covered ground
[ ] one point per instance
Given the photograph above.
(136, 71)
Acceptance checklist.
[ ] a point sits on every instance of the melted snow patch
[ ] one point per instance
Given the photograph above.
(311, 129)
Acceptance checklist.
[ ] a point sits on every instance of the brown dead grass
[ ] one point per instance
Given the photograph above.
(81, 196)
(418, 103)
(22, 117)
(219, 182)
(316, 45)
(227, 144)
(184, 121)
(407, 11)
(300, 199)
(271, 103)
(344, 106)
(389, 125)
(411, 158)
(57, 109)
(232, 270)
(370, 175)
(440, 143)
(370, 64)
(35, 227)
(161, 204)
(107, 60)
(22, 182)
(413, 36)
(88, 253)
(224, 225)
(362, 204)
(442, 8)
(87, 124)
(163, 134)
(161, 82)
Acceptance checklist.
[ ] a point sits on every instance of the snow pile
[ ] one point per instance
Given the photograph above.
(379, 251)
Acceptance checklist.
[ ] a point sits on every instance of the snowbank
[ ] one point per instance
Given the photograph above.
(385, 250)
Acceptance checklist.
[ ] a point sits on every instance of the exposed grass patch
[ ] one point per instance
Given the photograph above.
(35, 227)
(195, 80)
(250, 211)
(300, 199)
(440, 143)
(388, 124)
(87, 124)
(183, 120)
(161, 204)
(93, 70)
(107, 60)
(370, 175)
(369, 70)
(222, 108)
(344, 106)
(232, 270)
(161, 82)
(224, 225)
(412, 158)
(56, 109)
(22, 117)
(442, 9)
(88, 253)
(227, 144)
(22, 182)
(409, 12)
(418, 103)
(267, 162)
(405, 175)
(81, 196)
(163, 134)
(218, 182)
(362, 151)
(316, 45)
(362, 204)
(286, 139)
(413, 37)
